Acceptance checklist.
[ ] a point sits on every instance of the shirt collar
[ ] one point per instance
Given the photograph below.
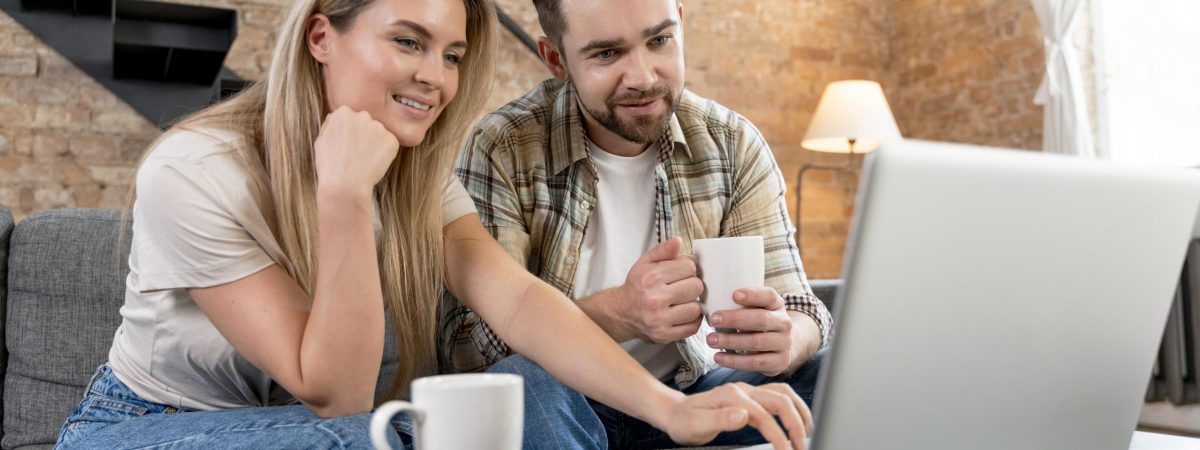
(567, 144)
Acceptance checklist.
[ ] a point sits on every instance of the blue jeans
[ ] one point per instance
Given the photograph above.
(112, 416)
(628, 432)
(556, 417)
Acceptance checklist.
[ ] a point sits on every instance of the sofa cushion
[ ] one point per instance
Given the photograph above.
(66, 282)
(66, 286)
(6, 226)
(826, 290)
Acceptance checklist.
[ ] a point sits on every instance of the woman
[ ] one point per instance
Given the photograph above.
(273, 233)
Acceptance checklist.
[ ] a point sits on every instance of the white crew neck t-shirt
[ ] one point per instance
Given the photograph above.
(619, 231)
(196, 224)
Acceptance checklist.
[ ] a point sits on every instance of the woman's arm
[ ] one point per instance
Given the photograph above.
(539, 322)
(325, 350)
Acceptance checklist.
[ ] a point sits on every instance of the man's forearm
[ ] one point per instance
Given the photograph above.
(601, 308)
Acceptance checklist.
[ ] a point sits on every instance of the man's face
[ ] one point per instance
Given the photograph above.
(626, 60)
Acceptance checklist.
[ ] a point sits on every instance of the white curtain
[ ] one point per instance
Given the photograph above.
(1066, 128)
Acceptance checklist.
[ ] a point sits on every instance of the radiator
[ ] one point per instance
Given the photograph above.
(1174, 378)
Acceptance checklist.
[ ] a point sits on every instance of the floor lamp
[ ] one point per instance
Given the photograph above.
(853, 117)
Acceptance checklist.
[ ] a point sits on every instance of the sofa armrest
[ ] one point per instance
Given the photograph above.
(826, 290)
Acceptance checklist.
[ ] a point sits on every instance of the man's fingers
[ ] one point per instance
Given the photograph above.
(685, 314)
(753, 319)
(664, 251)
(764, 297)
(686, 291)
(675, 270)
(767, 362)
(749, 341)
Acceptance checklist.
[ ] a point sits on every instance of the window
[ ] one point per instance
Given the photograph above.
(1148, 80)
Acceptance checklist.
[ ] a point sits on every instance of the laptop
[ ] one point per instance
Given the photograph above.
(1001, 299)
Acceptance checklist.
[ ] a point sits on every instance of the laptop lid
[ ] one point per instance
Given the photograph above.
(1001, 299)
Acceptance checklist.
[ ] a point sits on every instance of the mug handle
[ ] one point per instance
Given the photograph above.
(382, 417)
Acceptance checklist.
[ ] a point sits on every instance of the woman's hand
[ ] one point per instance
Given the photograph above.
(352, 152)
(698, 418)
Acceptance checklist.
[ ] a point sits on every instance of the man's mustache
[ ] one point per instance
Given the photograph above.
(640, 96)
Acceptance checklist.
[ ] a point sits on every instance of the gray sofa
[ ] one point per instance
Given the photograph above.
(62, 282)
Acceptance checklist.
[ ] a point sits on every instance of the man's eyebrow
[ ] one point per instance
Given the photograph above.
(609, 43)
(650, 32)
(601, 43)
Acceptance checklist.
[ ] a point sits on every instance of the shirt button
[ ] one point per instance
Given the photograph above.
(587, 206)
(570, 260)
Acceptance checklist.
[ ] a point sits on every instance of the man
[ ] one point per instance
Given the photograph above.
(599, 179)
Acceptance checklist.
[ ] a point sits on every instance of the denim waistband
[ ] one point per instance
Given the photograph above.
(105, 382)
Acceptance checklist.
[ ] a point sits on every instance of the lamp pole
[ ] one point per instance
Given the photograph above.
(848, 167)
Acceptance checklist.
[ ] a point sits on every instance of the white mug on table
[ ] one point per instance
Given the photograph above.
(478, 411)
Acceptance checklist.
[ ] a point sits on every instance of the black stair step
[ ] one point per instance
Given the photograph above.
(183, 85)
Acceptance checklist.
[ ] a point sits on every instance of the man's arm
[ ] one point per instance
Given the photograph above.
(759, 208)
(546, 327)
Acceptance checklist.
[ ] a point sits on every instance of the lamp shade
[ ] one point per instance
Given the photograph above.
(851, 109)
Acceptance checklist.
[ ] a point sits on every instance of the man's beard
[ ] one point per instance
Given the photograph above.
(640, 129)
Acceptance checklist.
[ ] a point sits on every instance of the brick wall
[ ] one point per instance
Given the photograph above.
(955, 70)
(770, 60)
(966, 71)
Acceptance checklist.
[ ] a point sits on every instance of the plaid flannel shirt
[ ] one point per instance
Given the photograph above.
(526, 166)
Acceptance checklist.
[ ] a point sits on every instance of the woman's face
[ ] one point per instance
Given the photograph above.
(398, 61)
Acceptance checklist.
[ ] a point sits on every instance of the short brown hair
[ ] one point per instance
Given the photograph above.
(550, 16)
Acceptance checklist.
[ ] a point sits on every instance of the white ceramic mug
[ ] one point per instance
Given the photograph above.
(477, 411)
(725, 265)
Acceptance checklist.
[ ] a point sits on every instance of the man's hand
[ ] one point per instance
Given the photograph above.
(698, 418)
(767, 334)
(658, 300)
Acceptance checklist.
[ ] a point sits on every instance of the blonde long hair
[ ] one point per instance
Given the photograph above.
(278, 120)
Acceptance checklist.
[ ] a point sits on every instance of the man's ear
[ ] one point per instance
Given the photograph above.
(552, 58)
(318, 36)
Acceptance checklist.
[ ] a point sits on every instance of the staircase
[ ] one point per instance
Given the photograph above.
(163, 59)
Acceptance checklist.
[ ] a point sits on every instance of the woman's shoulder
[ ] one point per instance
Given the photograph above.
(194, 143)
(203, 161)
(213, 151)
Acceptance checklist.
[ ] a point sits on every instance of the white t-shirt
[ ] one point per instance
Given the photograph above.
(619, 231)
(196, 224)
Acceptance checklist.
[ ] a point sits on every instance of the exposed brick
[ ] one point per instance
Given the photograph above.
(812, 54)
(111, 175)
(48, 146)
(94, 148)
(88, 195)
(61, 116)
(10, 196)
(19, 65)
(266, 16)
(15, 115)
(69, 173)
(121, 122)
(954, 70)
(53, 197)
(56, 66)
